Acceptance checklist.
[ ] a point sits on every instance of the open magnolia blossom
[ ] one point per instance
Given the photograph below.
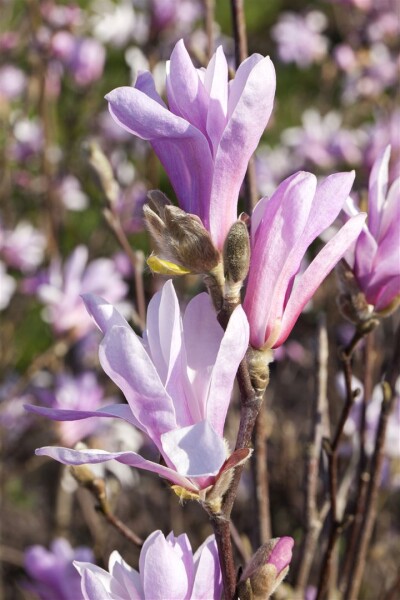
(282, 228)
(177, 381)
(167, 569)
(209, 132)
(376, 256)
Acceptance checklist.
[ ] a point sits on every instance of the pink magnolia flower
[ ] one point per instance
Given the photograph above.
(376, 256)
(283, 228)
(52, 571)
(83, 57)
(13, 245)
(207, 136)
(299, 38)
(177, 381)
(61, 286)
(167, 569)
(12, 82)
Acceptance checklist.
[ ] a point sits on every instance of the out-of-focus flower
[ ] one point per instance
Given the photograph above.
(179, 14)
(115, 23)
(52, 571)
(376, 256)
(130, 207)
(282, 230)
(268, 567)
(7, 286)
(28, 139)
(83, 57)
(60, 288)
(207, 136)
(167, 569)
(12, 82)
(323, 140)
(82, 392)
(384, 132)
(59, 16)
(299, 38)
(272, 166)
(177, 381)
(71, 193)
(15, 243)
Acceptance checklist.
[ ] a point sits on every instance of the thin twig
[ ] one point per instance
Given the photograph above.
(261, 479)
(210, 8)
(313, 517)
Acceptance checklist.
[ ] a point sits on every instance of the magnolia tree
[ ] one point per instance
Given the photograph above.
(177, 362)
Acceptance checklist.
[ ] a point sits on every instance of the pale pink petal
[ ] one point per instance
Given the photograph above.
(391, 213)
(231, 351)
(208, 578)
(316, 272)
(103, 313)
(195, 451)
(127, 363)
(126, 576)
(67, 456)
(93, 587)
(163, 573)
(246, 124)
(118, 411)
(388, 293)
(377, 191)
(183, 549)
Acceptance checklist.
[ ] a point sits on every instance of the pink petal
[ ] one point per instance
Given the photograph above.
(388, 293)
(316, 272)
(181, 446)
(208, 578)
(93, 587)
(377, 191)
(118, 411)
(126, 362)
(103, 313)
(67, 456)
(231, 351)
(216, 83)
(248, 117)
(163, 573)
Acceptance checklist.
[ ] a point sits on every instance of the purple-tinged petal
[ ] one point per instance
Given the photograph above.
(103, 313)
(95, 582)
(182, 446)
(377, 191)
(283, 223)
(145, 83)
(118, 411)
(158, 561)
(388, 294)
(67, 456)
(231, 351)
(126, 362)
(182, 149)
(391, 213)
(183, 549)
(246, 124)
(316, 272)
(281, 554)
(365, 252)
(216, 84)
(185, 90)
(127, 577)
(73, 270)
(208, 578)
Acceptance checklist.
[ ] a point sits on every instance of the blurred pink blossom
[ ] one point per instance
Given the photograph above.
(15, 242)
(12, 82)
(299, 38)
(83, 57)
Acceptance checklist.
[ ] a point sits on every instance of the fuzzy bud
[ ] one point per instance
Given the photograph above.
(237, 253)
(181, 238)
(351, 301)
(267, 568)
(258, 363)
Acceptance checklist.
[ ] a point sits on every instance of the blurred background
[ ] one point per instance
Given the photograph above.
(336, 109)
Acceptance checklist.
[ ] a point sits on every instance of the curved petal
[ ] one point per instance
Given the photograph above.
(316, 272)
(208, 577)
(202, 337)
(182, 446)
(162, 571)
(127, 363)
(242, 133)
(93, 585)
(216, 84)
(67, 456)
(378, 182)
(104, 314)
(129, 578)
(388, 293)
(185, 90)
(118, 411)
(182, 149)
(231, 351)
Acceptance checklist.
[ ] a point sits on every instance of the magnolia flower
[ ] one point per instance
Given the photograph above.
(283, 228)
(299, 38)
(177, 381)
(52, 571)
(13, 245)
(376, 256)
(83, 57)
(167, 569)
(207, 136)
(59, 288)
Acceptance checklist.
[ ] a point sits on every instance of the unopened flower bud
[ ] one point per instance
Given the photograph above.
(258, 363)
(268, 567)
(181, 238)
(237, 253)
